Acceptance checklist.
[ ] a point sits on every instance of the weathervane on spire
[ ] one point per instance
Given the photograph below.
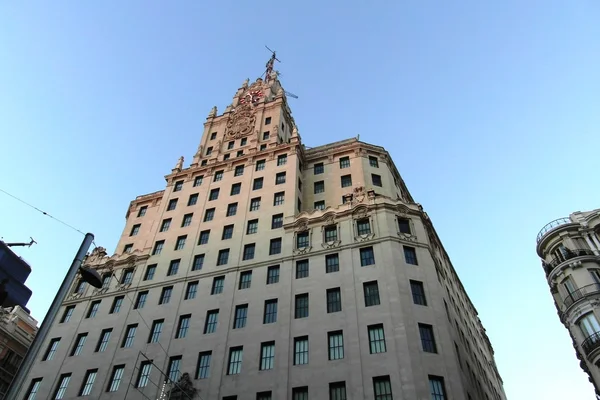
(270, 64)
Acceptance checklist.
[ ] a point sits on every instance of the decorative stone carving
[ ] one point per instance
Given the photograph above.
(358, 194)
(245, 84)
(302, 225)
(329, 219)
(295, 132)
(360, 212)
(407, 236)
(179, 165)
(183, 389)
(241, 122)
(303, 250)
(123, 286)
(213, 112)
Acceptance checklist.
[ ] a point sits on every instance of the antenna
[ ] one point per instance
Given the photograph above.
(269, 70)
(22, 244)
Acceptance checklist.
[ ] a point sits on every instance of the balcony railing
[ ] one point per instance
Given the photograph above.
(569, 254)
(551, 225)
(591, 343)
(581, 293)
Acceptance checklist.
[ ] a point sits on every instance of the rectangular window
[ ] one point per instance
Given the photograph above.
(268, 121)
(248, 251)
(241, 315)
(78, 346)
(198, 180)
(230, 145)
(363, 226)
(427, 338)
(172, 205)
(203, 370)
(128, 248)
(129, 335)
(93, 310)
(280, 178)
(376, 179)
(376, 339)
(150, 271)
(231, 209)
(209, 214)
(335, 342)
(193, 199)
(239, 153)
(245, 280)
(209, 150)
(227, 232)
(264, 396)
(156, 330)
(301, 269)
(178, 186)
(418, 293)
(173, 267)
(273, 274)
(135, 230)
(191, 290)
(210, 324)
(187, 220)
(319, 205)
(236, 188)
(275, 246)
(255, 204)
(173, 370)
(88, 382)
(277, 221)
(61, 388)
(158, 247)
(165, 295)
(410, 255)
(279, 198)
(116, 377)
(301, 306)
(281, 159)
(319, 187)
(204, 236)
(260, 165)
(144, 374)
(270, 314)
(302, 240)
(371, 291)
(214, 194)
(223, 257)
(116, 305)
(257, 184)
(334, 300)
(103, 341)
(142, 211)
(437, 388)
(318, 168)
(300, 393)
(218, 176)
(106, 278)
(235, 360)
(217, 285)
(67, 314)
(331, 233)
(367, 257)
(332, 263)
(346, 181)
(183, 326)
(373, 162)
(267, 356)
(198, 262)
(404, 226)
(252, 227)
(140, 301)
(239, 170)
(166, 223)
(301, 350)
(382, 387)
(344, 162)
(337, 391)
(127, 276)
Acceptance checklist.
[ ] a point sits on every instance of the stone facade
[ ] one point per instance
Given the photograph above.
(273, 270)
(570, 252)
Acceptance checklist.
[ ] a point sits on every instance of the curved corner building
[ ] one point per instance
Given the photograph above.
(266, 269)
(570, 252)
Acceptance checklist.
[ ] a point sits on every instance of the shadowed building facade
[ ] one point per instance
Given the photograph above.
(269, 270)
(570, 252)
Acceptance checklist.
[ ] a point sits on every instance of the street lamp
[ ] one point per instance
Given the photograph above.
(88, 275)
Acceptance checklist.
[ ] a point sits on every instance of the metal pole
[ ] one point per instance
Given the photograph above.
(40, 337)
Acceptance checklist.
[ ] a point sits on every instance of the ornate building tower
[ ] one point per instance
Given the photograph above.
(268, 270)
(570, 252)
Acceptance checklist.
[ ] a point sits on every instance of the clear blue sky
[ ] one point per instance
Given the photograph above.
(490, 110)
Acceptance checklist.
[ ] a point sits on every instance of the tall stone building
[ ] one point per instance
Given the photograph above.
(269, 270)
(570, 252)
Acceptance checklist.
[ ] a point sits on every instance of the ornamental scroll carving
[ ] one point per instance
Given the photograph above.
(358, 195)
(241, 122)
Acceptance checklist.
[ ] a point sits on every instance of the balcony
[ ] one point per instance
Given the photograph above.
(591, 343)
(581, 293)
(550, 226)
(569, 254)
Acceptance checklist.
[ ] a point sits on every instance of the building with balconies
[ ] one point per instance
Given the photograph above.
(570, 252)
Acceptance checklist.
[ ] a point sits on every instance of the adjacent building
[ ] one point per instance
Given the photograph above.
(570, 252)
(17, 330)
(269, 270)
(15, 271)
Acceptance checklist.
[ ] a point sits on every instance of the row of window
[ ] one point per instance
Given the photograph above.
(382, 387)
